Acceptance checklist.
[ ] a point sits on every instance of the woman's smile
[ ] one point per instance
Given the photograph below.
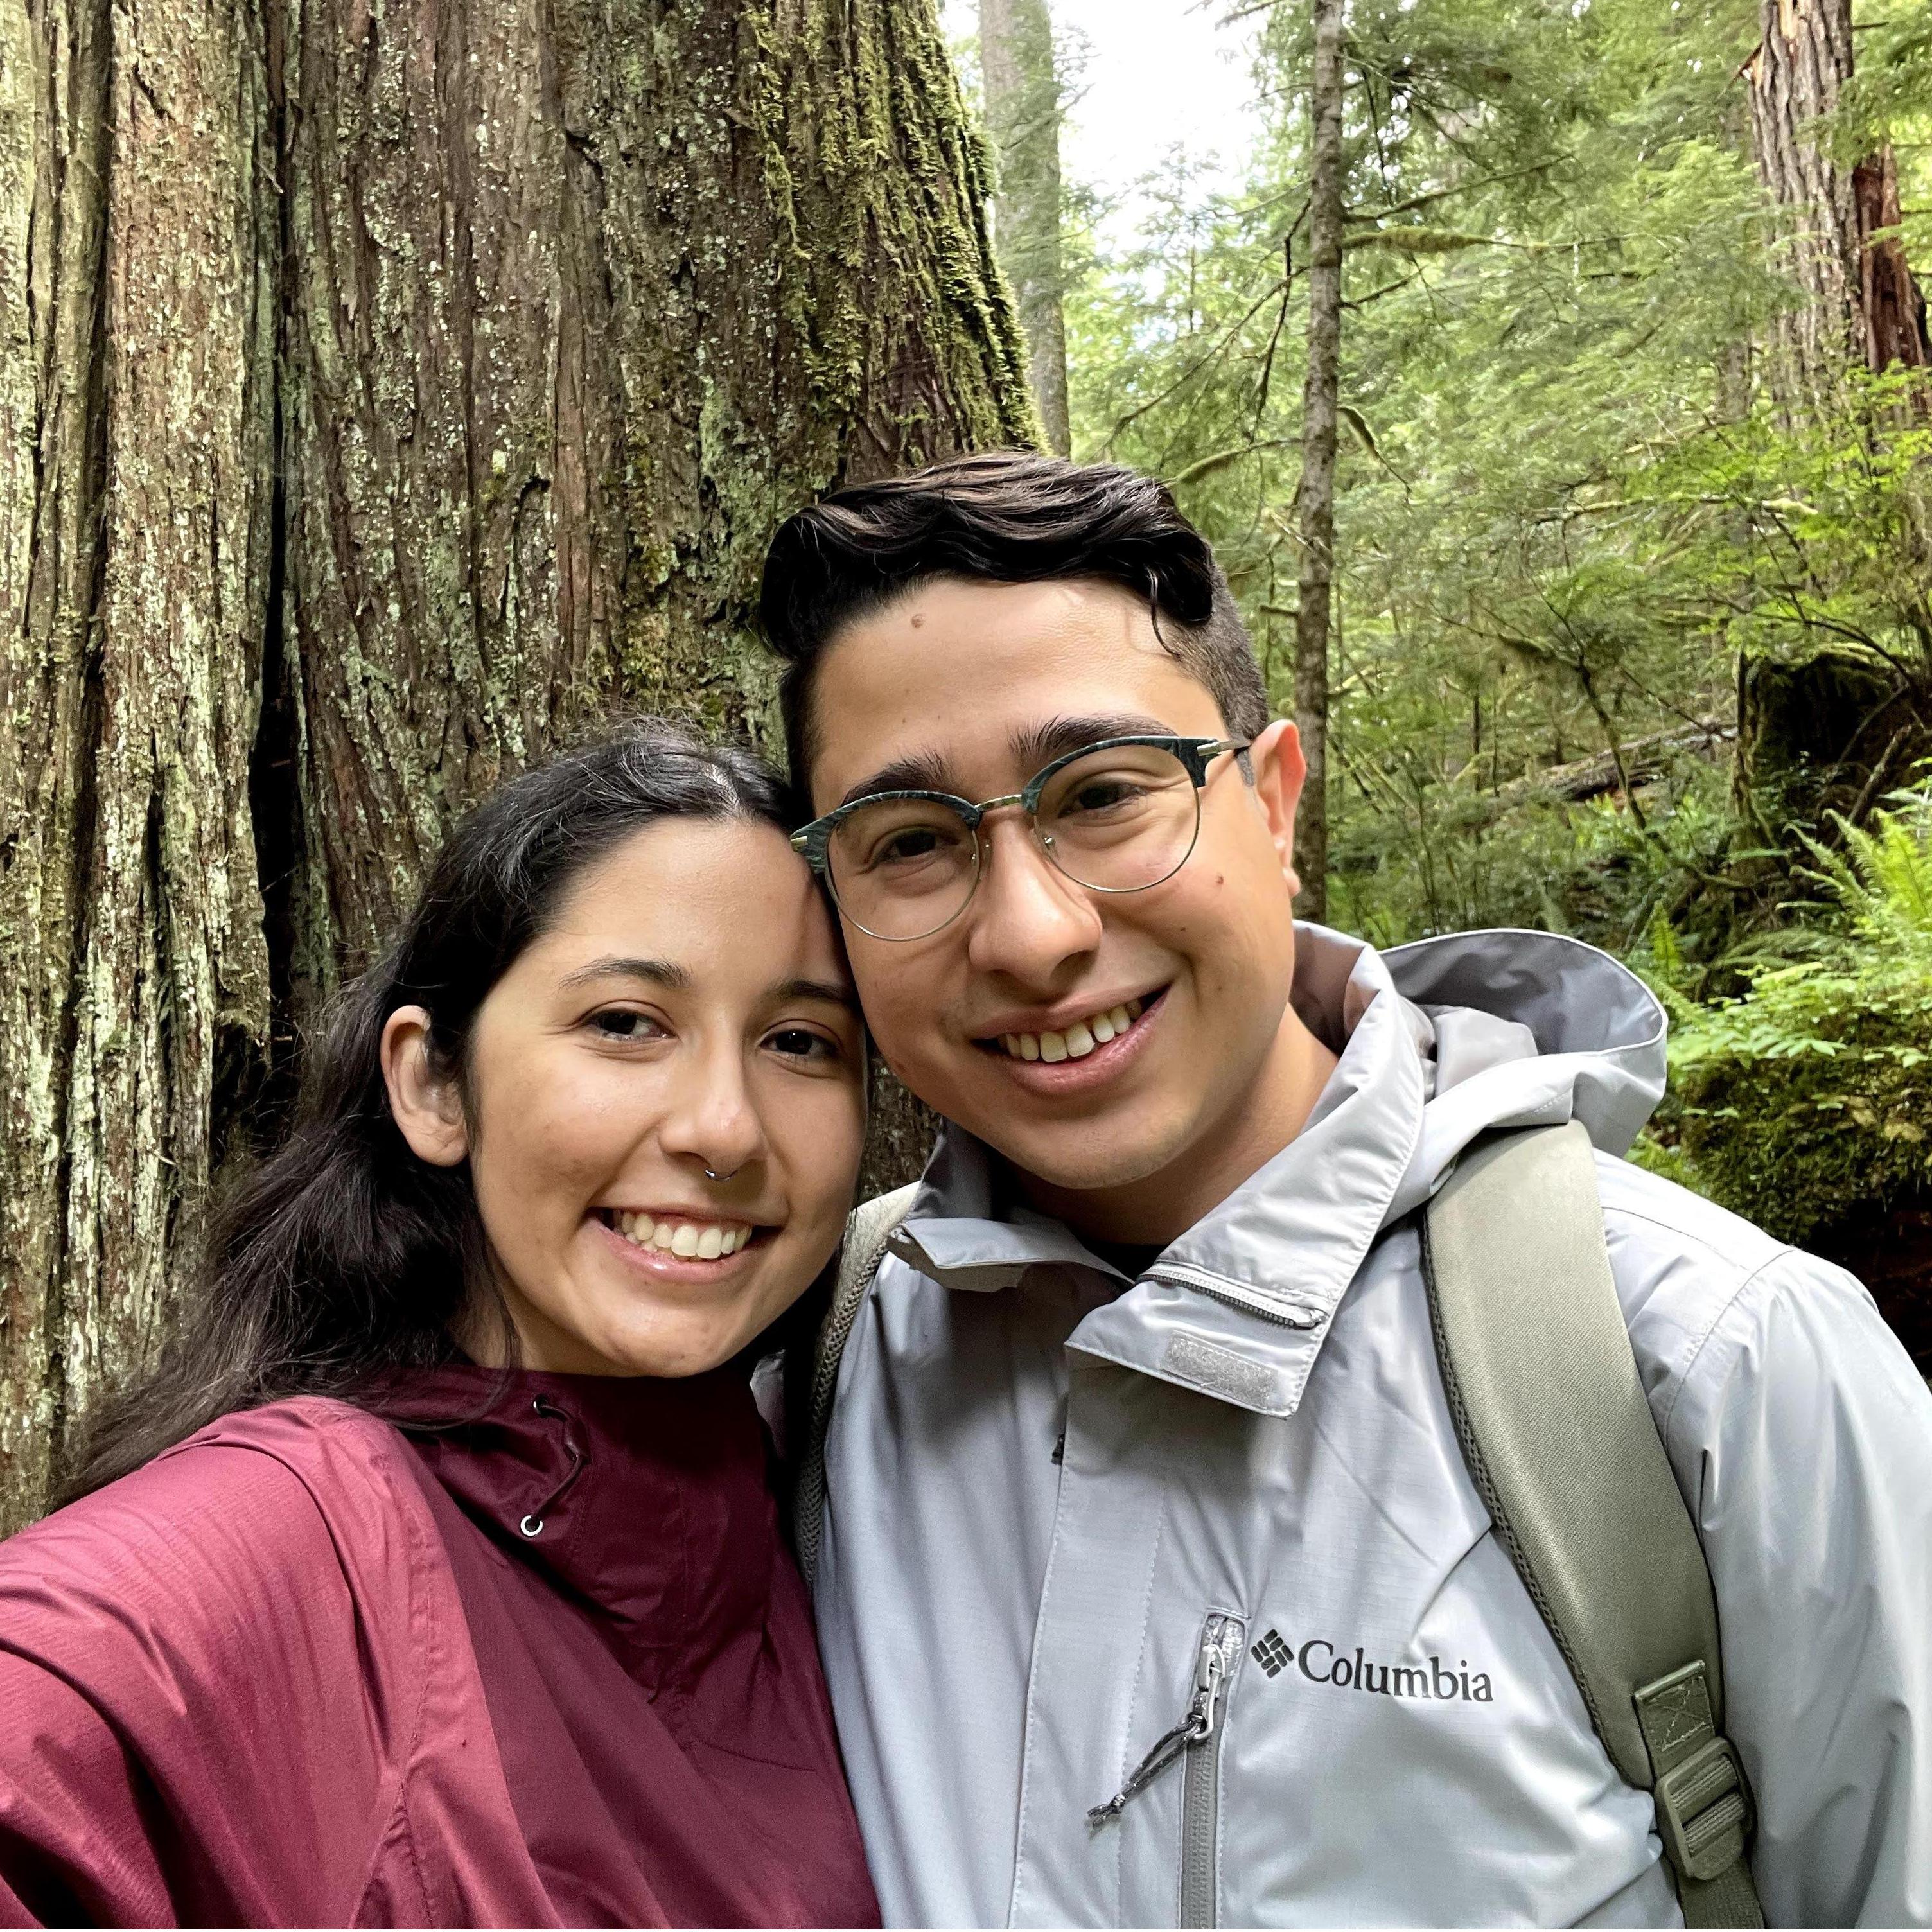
(671, 1246)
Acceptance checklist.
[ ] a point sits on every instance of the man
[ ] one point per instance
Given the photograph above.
(1144, 1415)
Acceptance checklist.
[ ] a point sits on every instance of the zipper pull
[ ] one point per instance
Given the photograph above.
(1203, 1715)
(1218, 1642)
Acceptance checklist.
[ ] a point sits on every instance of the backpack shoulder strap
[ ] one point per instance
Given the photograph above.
(1544, 1389)
(870, 1226)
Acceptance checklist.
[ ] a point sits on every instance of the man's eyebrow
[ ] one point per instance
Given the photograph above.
(828, 992)
(917, 771)
(1041, 744)
(1038, 745)
(659, 972)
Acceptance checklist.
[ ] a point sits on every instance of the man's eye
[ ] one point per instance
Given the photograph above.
(1103, 795)
(908, 847)
(621, 1023)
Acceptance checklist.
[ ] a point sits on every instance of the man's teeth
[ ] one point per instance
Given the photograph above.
(705, 1239)
(1077, 1041)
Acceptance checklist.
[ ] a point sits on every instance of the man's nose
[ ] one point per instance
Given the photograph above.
(1030, 918)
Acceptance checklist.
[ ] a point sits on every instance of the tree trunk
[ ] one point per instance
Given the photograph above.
(384, 391)
(1888, 295)
(1858, 305)
(1315, 505)
(1022, 85)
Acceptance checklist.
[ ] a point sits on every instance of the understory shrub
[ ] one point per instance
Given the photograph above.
(1808, 1101)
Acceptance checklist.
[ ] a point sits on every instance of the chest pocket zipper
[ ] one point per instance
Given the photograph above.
(1196, 1741)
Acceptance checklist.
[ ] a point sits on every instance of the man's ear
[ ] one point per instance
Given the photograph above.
(428, 1110)
(1279, 771)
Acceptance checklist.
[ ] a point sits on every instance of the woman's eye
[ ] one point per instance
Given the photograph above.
(621, 1023)
(802, 1043)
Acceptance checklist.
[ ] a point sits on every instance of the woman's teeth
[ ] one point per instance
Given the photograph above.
(705, 1240)
(1077, 1041)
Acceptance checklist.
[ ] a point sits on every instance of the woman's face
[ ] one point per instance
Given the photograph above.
(665, 1105)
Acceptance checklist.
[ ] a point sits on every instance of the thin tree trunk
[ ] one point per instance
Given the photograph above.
(1022, 89)
(1315, 505)
(384, 391)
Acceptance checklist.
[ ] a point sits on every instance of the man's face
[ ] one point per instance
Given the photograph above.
(969, 688)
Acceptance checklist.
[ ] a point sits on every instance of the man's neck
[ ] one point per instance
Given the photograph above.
(1155, 1209)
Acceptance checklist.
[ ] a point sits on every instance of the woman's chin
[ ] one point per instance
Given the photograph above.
(670, 1343)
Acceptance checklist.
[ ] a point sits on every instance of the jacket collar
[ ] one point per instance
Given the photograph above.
(1239, 1305)
(646, 1500)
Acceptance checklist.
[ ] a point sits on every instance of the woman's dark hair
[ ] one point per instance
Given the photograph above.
(1003, 517)
(343, 1258)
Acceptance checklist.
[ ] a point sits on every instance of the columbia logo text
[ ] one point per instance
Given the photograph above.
(1321, 1662)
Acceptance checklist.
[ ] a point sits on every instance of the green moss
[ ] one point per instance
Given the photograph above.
(1809, 1101)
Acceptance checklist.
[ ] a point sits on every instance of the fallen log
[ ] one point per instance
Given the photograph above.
(1643, 759)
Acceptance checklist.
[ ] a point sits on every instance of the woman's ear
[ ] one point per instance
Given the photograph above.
(428, 1109)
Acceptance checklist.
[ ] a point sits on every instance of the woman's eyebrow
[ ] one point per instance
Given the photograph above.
(659, 972)
(827, 991)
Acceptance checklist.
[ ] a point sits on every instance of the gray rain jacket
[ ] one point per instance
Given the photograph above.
(1052, 1493)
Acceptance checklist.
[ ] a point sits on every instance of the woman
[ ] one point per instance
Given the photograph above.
(436, 1578)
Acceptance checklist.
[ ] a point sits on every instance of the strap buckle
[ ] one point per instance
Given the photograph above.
(1704, 1811)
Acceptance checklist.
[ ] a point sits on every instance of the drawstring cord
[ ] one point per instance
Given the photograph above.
(532, 1525)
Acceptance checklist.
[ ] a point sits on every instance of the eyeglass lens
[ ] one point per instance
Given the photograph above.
(1118, 820)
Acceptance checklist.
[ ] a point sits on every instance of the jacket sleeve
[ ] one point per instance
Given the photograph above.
(185, 1733)
(1804, 1434)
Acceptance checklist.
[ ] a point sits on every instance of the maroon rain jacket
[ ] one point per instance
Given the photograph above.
(554, 1667)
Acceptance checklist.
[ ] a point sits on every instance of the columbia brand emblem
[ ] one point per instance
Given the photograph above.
(1321, 1662)
(1272, 1654)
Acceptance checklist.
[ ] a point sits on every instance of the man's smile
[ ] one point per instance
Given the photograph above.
(1080, 1052)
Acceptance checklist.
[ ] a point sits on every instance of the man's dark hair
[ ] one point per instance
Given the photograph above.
(1005, 516)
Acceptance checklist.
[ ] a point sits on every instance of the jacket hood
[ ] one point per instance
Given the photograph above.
(1437, 1043)
(1518, 1029)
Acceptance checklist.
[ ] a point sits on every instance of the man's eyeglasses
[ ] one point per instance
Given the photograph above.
(1117, 816)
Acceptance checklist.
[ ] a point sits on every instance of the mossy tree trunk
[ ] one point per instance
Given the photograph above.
(386, 390)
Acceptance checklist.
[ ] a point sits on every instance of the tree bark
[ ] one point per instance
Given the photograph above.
(1888, 294)
(137, 372)
(385, 392)
(1315, 503)
(1022, 92)
(1858, 305)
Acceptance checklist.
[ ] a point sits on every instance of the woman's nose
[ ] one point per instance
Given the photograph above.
(713, 1121)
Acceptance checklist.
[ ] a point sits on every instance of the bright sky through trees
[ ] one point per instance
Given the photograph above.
(1151, 75)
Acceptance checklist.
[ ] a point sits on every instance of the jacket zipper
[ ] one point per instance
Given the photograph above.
(1196, 1741)
(1201, 1775)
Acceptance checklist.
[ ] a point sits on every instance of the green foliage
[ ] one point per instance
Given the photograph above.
(1566, 504)
(1572, 518)
(1809, 1100)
